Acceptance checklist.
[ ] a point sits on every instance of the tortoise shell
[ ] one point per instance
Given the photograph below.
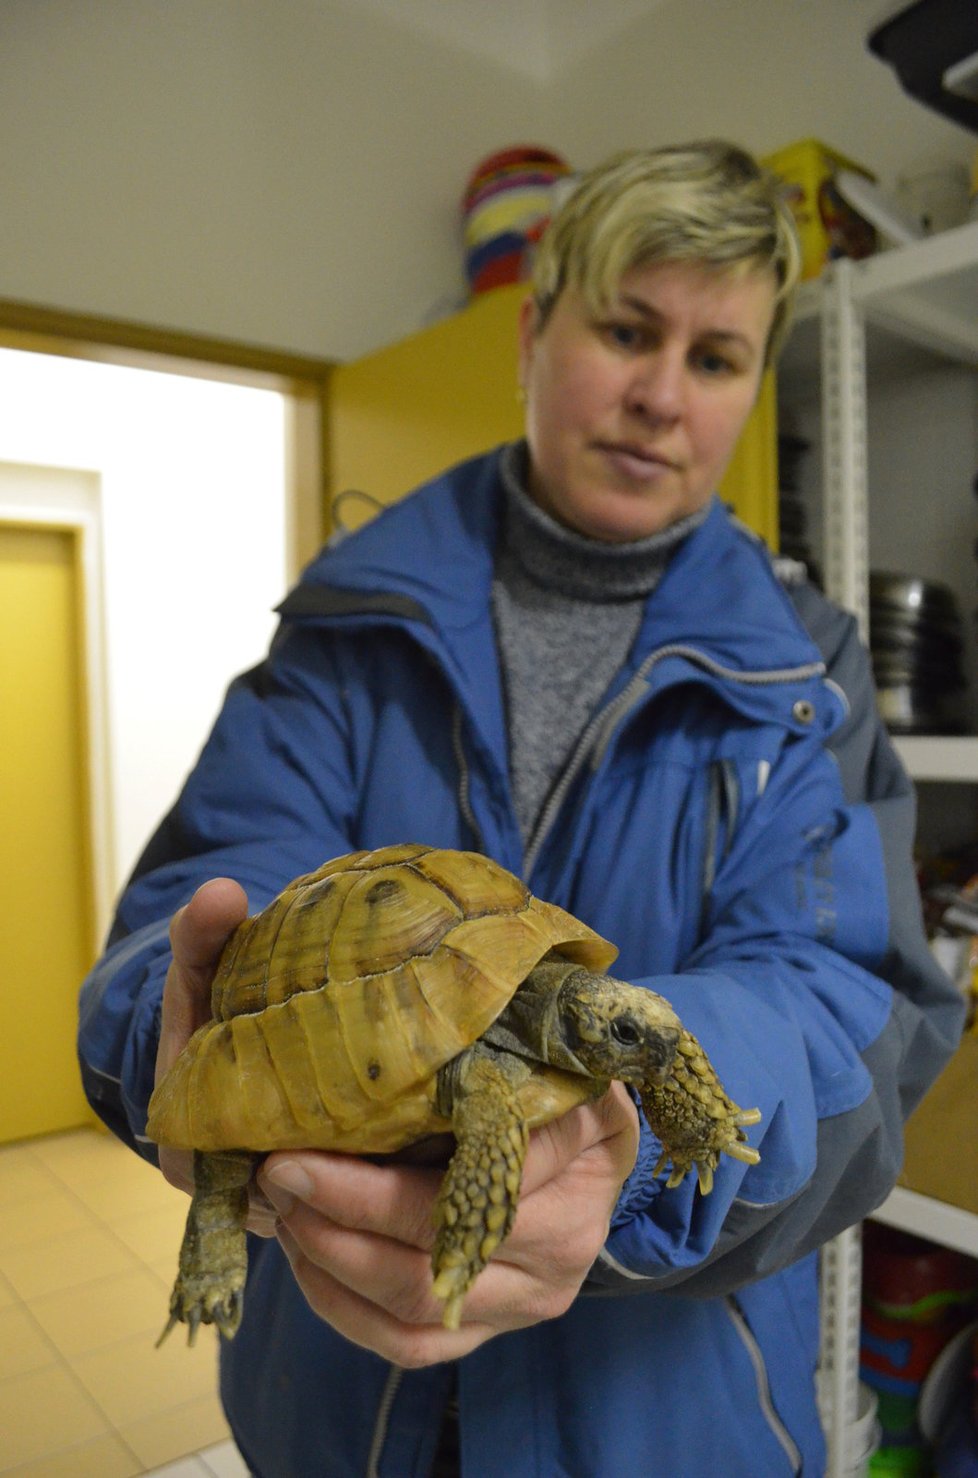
(335, 1007)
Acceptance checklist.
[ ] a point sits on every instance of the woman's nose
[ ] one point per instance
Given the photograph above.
(656, 388)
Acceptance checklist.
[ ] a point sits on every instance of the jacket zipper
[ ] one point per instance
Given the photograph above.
(599, 731)
(464, 799)
(394, 1377)
(778, 1429)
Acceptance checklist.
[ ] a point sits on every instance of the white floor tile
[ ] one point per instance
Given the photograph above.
(224, 1461)
(185, 1467)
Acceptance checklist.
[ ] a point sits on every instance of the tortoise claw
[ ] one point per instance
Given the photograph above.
(171, 1324)
(451, 1286)
(203, 1307)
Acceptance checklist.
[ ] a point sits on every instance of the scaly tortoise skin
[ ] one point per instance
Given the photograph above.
(399, 994)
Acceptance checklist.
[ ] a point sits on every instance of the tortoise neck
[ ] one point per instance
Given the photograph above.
(533, 1023)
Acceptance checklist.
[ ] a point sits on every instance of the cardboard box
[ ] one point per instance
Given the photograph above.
(828, 226)
(941, 1158)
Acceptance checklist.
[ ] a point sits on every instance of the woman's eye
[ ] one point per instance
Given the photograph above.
(625, 335)
(713, 363)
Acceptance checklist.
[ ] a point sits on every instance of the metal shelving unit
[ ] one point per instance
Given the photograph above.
(923, 296)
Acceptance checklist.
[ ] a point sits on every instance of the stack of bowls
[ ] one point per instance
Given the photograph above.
(508, 200)
(915, 641)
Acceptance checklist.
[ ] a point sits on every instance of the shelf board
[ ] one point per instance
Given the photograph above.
(921, 265)
(926, 292)
(937, 757)
(917, 297)
(935, 1220)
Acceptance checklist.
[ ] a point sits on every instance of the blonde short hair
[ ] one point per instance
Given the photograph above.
(709, 203)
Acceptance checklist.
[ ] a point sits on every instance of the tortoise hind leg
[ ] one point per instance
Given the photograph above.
(213, 1257)
(477, 1201)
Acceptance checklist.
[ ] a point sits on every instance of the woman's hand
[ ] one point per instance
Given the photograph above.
(359, 1235)
(198, 933)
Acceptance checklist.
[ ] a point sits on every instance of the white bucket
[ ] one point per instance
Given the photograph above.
(865, 1434)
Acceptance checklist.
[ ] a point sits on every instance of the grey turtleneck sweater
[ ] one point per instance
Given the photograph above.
(566, 610)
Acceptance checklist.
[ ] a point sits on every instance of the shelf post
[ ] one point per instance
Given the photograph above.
(843, 335)
(840, 1294)
(846, 558)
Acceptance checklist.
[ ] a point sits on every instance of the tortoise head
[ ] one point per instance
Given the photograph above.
(617, 1030)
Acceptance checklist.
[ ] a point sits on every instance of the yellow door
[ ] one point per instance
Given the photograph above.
(46, 918)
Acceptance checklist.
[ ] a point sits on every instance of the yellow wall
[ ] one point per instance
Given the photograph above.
(407, 412)
(750, 484)
(46, 943)
(404, 413)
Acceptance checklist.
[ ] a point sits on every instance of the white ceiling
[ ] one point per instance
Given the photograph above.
(535, 37)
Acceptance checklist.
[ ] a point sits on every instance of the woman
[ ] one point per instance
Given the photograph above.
(565, 654)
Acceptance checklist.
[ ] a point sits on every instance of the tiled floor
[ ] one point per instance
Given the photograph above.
(88, 1244)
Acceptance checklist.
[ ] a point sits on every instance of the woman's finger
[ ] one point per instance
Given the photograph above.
(387, 1200)
(605, 1130)
(198, 933)
(365, 1321)
(199, 930)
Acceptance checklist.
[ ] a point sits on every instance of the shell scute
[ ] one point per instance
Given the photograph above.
(477, 884)
(389, 914)
(279, 951)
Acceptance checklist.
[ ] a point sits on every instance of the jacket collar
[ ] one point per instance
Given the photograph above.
(428, 560)
(720, 594)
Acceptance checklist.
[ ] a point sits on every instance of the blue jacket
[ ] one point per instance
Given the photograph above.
(736, 821)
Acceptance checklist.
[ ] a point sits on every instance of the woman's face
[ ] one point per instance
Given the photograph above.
(633, 415)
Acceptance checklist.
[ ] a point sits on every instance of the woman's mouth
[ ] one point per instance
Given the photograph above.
(634, 462)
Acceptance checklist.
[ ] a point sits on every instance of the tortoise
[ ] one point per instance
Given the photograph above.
(408, 992)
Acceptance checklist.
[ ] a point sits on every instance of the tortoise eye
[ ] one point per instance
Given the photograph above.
(624, 1030)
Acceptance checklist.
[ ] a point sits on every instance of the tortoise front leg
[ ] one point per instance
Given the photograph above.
(694, 1117)
(477, 1201)
(213, 1256)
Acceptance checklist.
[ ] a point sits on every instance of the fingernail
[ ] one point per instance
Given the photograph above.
(285, 1184)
